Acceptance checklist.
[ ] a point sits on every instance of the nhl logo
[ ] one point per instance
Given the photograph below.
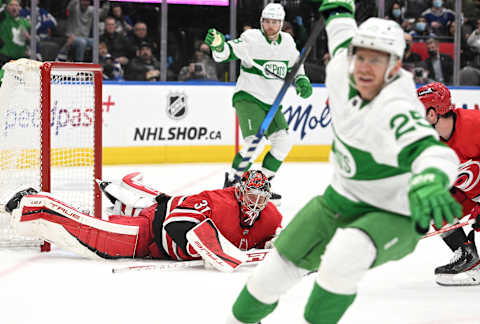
(177, 105)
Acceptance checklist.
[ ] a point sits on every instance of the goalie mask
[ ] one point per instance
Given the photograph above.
(253, 194)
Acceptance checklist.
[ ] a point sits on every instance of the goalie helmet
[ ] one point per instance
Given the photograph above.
(253, 193)
(437, 96)
(381, 35)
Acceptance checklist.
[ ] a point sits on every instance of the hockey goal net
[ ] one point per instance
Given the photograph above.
(51, 136)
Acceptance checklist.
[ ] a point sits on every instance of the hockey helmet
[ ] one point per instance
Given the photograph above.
(380, 35)
(437, 96)
(273, 11)
(253, 193)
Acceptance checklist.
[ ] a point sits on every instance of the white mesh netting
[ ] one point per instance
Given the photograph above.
(72, 138)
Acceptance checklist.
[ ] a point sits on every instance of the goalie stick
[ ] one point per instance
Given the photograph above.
(319, 26)
(253, 257)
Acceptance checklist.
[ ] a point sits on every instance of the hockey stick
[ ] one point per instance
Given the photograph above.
(252, 147)
(450, 228)
(253, 257)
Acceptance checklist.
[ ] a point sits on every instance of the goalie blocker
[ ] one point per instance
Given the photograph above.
(160, 224)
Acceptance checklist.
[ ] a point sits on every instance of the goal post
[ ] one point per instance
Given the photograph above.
(51, 135)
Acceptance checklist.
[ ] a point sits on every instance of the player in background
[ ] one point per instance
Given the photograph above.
(391, 177)
(458, 128)
(259, 51)
(242, 214)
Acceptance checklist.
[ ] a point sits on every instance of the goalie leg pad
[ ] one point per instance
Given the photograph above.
(347, 258)
(128, 202)
(47, 218)
(273, 277)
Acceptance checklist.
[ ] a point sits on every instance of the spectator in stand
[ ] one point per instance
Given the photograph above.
(202, 66)
(421, 74)
(123, 23)
(439, 18)
(46, 23)
(79, 26)
(48, 42)
(143, 67)
(421, 30)
(396, 13)
(410, 59)
(473, 42)
(111, 69)
(117, 44)
(14, 33)
(139, 36)
(439, 66)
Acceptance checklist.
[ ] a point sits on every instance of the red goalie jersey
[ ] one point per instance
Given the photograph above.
(182, 213)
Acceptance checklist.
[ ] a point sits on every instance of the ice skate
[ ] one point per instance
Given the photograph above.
(14, 202)
(463, 269)
(228, 182)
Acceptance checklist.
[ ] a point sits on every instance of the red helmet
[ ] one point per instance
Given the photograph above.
(437, 96)
(253, 193)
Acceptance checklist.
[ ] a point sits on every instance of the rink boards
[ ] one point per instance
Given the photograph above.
(181, 122)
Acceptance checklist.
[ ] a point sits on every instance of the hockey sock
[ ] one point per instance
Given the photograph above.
(270, 165)
(455, 239)
(326, 307)
(248, 309)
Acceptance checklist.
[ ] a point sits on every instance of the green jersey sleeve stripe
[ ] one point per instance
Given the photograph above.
(410, 152)
(231, 57)
(344, 44)
(339, 15)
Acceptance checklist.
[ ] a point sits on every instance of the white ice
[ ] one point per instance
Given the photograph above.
(58, 287)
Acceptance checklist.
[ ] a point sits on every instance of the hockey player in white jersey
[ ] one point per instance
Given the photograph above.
(266, 56)
(391, 178)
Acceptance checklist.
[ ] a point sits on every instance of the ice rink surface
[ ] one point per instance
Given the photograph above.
(58, 287)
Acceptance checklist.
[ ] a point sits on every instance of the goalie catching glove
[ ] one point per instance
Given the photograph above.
(303, 86)
(215, 40)
(429, 199)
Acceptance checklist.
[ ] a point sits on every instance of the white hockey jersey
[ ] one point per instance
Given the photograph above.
(253, 46)
(377, 145)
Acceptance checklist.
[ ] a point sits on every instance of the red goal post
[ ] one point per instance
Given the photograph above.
(51, 134)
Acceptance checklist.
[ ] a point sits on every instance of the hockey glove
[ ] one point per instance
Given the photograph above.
(429, 199)
(303, 86)
(329, 7)
(215, 40)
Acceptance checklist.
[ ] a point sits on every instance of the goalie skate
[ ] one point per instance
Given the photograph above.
(463, 269)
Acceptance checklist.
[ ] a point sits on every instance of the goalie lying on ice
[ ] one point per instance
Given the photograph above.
(146, 223)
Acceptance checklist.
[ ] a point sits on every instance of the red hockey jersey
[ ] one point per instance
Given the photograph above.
(465, 141)
(223, 208)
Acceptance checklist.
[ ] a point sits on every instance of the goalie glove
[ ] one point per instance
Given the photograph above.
(214, 248)
(429, 199)
(215, 40)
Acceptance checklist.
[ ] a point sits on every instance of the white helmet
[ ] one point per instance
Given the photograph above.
(381, 35)
(273, 11)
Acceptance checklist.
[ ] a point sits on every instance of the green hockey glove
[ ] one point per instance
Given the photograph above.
(429, 199)
(329, 6)
(215, 40)
(303, 86)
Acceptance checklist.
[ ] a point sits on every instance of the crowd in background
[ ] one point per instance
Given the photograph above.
(130, 36)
